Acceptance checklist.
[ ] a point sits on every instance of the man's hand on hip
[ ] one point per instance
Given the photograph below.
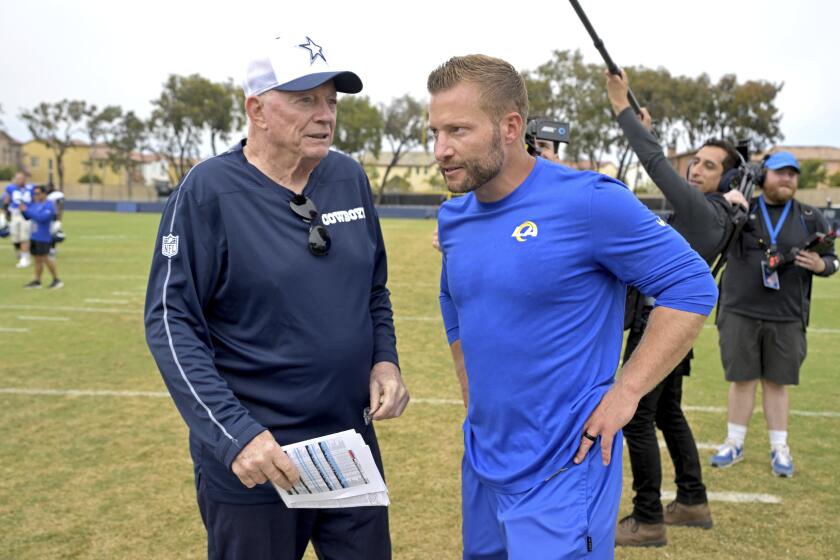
(388, 394)
(262, 460)
(666, 341)
(616, 409)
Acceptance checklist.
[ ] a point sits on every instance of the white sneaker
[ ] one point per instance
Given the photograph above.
(727, 454)
(781, 461)
(23, 262)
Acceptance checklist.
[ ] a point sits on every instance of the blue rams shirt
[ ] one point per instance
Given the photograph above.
(42, 215)
(534, 285)
(249, 329)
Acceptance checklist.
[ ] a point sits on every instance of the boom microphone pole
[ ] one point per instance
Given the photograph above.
(599, 44)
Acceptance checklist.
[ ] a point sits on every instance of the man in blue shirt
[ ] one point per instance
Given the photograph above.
(268, 314)
(17, 193)
(42, 214)
(536, 259)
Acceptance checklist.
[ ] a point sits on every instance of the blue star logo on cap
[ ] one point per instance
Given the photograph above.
(314, 49)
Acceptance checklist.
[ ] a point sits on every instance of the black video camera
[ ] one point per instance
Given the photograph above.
(819, 243)
(540, 128)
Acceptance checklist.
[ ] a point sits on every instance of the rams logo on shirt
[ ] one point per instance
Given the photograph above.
(525, 229)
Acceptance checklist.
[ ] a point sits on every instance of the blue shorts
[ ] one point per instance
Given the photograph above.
(571, 515)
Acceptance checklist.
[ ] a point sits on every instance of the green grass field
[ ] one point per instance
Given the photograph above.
(107, 475)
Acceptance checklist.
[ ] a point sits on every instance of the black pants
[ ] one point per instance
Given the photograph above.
(661, 408)
(275, 532)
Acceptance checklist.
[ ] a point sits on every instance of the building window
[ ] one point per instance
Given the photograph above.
(33, 162)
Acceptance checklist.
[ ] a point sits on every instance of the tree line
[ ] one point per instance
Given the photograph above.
(189, 110)
(192, 109)
(686, 110)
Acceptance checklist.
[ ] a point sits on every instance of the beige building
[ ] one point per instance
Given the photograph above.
(39, 160)
(415, 172)
(79, 159)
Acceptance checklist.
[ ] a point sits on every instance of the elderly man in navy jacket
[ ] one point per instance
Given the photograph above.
(268, 314)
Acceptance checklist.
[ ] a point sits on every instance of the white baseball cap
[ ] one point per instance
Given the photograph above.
(295, 63)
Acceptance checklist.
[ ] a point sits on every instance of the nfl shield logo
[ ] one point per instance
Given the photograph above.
(170, 246)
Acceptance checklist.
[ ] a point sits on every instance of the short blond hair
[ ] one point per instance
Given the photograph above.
(502, 88)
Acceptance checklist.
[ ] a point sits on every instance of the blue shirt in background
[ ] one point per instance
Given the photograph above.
(16, 195)
(42, 215)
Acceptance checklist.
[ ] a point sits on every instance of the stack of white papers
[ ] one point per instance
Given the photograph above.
(335, 471)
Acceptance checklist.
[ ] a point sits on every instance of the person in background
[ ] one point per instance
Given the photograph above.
(17, 193)
(765, 307)
(42, 214)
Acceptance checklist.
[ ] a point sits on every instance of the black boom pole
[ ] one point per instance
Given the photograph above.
(599, 44)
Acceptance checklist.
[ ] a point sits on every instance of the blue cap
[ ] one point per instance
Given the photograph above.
(780, 160)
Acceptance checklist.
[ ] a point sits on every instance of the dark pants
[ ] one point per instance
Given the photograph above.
(275, 532)
(661, 409)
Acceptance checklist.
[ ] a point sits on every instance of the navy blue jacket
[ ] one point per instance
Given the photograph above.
(249, 329)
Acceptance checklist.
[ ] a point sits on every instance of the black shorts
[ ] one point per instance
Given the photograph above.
(40, 248)
(758, 349)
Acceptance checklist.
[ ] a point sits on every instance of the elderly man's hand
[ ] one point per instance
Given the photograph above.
(388, 394)
(810, 260)
(263, 459)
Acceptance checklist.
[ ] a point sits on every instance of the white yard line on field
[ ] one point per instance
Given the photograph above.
(71, 309)
(89, 276)
(102, 237)
(13, 330)
(702, 446)
(810, 330)
(110, 301)
(732, 497)
(421, 400)
(41, 318)
(81, 393)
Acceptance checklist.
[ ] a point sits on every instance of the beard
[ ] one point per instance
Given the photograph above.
(481, 170)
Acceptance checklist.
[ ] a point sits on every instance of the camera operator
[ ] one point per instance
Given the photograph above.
(704, 217)
(764, 307)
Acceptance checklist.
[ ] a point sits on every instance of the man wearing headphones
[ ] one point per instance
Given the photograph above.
(704, 217)
(764, 307)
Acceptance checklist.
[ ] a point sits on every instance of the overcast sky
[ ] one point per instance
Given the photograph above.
(121, 53)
